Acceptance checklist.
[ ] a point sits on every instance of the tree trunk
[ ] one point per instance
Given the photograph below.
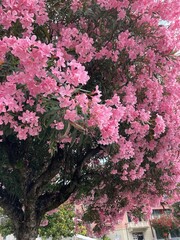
(26, 232)
(27, 228)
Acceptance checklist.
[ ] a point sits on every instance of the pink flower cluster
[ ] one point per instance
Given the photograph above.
(82, 44)
(27, 12)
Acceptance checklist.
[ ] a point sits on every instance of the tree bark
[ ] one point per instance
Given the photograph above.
(26, 232)
(28, 228)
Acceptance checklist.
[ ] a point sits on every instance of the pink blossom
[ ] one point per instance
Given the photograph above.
(44, 223)
(76, 74)
(52, 211)
(114, 171)
(75, 5)
(71, 115)
(82, 101)
(30, 118)
(160, 126)
(59, 125)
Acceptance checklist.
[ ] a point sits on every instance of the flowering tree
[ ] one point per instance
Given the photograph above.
(89, 107)
(164, 224)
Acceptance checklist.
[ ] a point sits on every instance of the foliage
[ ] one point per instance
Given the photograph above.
(164, 224)
(89, 108)
(58, 224)
(105, 238)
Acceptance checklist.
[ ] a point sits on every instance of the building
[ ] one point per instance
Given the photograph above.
(142, 230)
(129, 230)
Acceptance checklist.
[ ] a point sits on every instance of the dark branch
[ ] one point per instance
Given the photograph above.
(50, 172)
(53, 199)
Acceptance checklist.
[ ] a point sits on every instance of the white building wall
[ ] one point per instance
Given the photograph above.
(119, 234)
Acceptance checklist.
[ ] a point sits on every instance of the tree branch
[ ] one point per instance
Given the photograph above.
(53, 199)
(50, 172)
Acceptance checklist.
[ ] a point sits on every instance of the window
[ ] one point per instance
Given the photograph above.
(159, 234)
(175, 233)
(138, 236)
(159, 212)
(130, 219)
